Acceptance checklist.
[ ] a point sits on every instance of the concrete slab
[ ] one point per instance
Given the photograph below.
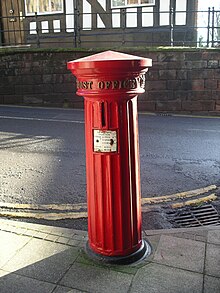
(181, 253)
(62, 289)
(156, 278)
(128, 269)
(212, 263)
(3, 273)
(214, 237)
(44, 265)
(154, 241)
(193, 235)
(96, 279)
(211, 284)
(10, 244)
(42, 260)
(12, 283)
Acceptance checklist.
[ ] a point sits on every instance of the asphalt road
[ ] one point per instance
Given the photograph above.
(42, 158)
(42, 154)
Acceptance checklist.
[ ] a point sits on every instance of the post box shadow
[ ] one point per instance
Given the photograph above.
(68, 269)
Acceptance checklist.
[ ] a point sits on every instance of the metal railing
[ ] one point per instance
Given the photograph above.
(86, 29)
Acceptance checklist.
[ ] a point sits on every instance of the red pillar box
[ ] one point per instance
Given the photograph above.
(110, 82)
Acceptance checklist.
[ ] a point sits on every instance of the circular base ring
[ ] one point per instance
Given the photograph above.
(138, 255)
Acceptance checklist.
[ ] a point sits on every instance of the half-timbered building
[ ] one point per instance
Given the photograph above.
(98, 23)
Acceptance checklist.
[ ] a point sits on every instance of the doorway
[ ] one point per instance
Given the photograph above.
(12, 16)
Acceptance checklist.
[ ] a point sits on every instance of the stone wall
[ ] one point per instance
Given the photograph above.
(181, 80)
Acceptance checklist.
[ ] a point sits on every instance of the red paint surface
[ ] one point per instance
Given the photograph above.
(113, 179)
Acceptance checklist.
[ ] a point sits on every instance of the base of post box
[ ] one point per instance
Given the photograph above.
(140, 254)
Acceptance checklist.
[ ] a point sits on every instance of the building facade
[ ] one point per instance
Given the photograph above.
(98, 23)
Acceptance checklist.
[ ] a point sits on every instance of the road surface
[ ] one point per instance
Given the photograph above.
(42, 154)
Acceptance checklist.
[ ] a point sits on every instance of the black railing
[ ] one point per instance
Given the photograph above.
(87, 30)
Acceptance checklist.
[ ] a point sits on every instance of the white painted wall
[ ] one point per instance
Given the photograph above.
(102, 3)
(131, 17)
(165, 8)
(100, 23)
(69, 16)
(116, 18)
(87, 17)
(181, 16)
(147, 16)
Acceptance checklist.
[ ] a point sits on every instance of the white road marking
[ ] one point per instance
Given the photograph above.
(204, 130)
(42, 119)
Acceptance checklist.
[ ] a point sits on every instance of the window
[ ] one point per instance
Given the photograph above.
(123, 3)
(43, 6)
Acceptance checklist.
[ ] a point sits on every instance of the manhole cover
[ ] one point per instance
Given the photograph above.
(195, 216)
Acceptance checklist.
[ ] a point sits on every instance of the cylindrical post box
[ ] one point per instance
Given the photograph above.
(110, 82)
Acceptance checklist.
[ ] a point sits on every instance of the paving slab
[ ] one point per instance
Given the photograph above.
(3, 273)
(18, 227)
(37, 258)
(214, 237)
(156, 278)
(211, 284)
(96, 279)
(153, 241)
(9, 245)
(212, 263)
(42, 260)
(128, 269)
(181, 253)
(62, 289)
(11, 283)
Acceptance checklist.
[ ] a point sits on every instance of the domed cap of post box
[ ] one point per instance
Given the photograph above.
(109, 60)
(110, 74)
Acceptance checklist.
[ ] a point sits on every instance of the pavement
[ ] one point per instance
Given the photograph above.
(46, 259)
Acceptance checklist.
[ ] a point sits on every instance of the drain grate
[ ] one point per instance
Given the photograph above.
(195, 216)
(164, 114)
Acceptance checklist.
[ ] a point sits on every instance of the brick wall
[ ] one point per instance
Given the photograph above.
(180, 81)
